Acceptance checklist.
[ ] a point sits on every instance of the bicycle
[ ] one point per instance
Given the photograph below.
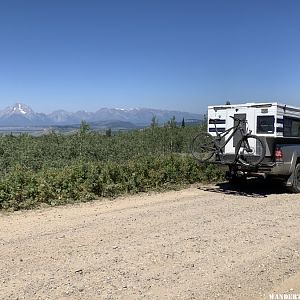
(250, 150)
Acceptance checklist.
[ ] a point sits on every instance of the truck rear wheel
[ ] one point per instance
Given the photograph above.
(295, 188)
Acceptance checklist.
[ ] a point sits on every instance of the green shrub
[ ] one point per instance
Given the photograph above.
(82, 181)
(55, 169)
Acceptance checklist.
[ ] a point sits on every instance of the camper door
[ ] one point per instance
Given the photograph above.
(242, 113)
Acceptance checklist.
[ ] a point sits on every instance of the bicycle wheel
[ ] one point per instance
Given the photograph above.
(203, 146)
(250, 150)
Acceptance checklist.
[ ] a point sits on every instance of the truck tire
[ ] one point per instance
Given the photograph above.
(295, 188)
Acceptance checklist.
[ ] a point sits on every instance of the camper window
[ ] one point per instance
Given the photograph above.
(291, 127)
(265, 124)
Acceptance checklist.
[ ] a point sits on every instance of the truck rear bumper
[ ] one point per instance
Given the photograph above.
(266, 168)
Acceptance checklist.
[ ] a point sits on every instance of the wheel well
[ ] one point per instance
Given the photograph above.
(298, 161)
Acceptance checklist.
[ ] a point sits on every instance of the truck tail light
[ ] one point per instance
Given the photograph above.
(278, 154)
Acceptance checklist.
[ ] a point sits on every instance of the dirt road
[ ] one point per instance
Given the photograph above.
(198, 243)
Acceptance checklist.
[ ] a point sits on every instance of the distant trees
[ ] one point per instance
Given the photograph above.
(154, 122)
(172, 122)
(84, 127)
(108, 132)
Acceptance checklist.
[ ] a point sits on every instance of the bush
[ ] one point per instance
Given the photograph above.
(82, 181)
(55, 169)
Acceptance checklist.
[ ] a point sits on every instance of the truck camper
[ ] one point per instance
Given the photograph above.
(277, 125)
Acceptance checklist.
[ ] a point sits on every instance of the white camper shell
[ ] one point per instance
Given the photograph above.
(268, 120)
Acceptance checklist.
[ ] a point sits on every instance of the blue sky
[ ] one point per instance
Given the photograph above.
(169, 54)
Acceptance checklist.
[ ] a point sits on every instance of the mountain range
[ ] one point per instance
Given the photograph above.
(21, 115)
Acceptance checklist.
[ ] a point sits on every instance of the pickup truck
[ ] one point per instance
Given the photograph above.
(282, 165)
(279, 126)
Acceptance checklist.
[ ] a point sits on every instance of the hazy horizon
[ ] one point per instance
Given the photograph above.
(85, 110)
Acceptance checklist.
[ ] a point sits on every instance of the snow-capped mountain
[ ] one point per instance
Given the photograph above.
(17, 109)
(22, 115)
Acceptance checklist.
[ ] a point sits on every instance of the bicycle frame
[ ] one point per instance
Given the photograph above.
(234, 129)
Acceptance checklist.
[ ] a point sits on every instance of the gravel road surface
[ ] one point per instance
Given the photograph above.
(204, 242)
